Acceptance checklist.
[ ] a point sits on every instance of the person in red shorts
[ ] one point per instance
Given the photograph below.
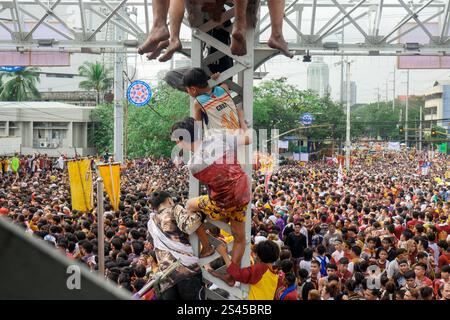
(214, 163)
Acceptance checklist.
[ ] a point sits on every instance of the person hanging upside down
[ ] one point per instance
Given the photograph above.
(161, 39)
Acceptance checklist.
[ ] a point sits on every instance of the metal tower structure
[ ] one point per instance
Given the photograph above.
(314, 24)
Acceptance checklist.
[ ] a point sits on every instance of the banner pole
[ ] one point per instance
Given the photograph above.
(100, 227)
(114, 199)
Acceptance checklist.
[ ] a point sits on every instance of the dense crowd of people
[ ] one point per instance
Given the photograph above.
(378, 232)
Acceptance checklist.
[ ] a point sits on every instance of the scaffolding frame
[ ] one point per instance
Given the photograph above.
(312, 34)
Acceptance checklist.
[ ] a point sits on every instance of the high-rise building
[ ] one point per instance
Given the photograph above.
(437, 105)
(352, 93)
(318, 77)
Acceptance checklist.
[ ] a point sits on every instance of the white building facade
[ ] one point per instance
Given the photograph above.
(50, 128)
(437, 105)
(318, 75)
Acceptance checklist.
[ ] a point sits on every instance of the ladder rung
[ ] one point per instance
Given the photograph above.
(215, 255)
(212, 295)
(235, 291)
(222, 225)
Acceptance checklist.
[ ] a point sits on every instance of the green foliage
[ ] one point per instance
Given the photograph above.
(440, 134)
(148, 131)
(379, 120)
(280, 105)
(19, 85)
(103, 117)
(98, 77)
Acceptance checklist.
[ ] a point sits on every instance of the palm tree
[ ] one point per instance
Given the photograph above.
(19, 85)
(98, 77)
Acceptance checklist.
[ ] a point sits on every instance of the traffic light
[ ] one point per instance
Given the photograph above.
(433, 132)
(401, 130)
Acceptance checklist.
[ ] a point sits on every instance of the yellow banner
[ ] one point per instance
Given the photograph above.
(110, 174)
(80, 176)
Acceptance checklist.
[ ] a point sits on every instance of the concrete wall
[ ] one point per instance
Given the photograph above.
(9, 146)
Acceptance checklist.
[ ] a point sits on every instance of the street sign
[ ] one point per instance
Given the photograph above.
(306, 119)
(139, 93)
(11, 69)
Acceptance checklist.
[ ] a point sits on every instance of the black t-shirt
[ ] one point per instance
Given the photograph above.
(392, 254)
(287, 230)
(297, 244)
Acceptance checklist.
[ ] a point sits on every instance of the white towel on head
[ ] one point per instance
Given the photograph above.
(179, 250)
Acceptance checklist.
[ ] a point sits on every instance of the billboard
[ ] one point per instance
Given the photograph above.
(35, 58)
(419, 36)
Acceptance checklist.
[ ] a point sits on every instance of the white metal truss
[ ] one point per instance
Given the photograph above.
(242, 74)
(314, 23)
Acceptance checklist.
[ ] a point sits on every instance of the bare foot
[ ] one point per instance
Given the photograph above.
(207, 251)
(225, 277)
(173, 47)
(280, 44)
(238, 45)
(161, 46)
(157, 35)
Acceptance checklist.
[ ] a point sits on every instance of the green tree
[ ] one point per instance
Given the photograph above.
(380, 120)
(98, 77)
(19, 85)
(103, 118)
(148, 128)
(279, 105)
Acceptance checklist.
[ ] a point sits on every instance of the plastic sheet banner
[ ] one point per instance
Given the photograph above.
(417, 35)
(110, 174)
(35, 59)
(283, 144)
(80, 177)
(394, 146)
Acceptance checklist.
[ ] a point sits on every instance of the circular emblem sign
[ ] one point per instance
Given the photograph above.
(139, 93)
(306, 119)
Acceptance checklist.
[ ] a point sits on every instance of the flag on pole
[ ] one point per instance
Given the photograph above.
(110, 174)
(80, 178)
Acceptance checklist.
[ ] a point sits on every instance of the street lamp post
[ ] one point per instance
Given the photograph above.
(347, 134)
(406, 108)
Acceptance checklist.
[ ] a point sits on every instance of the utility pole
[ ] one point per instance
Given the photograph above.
(406, 108)
(393, 94)
(119, 58)
(378, 97)
(420, 128)
(347, 134)
(387, 91)
(342, 65)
